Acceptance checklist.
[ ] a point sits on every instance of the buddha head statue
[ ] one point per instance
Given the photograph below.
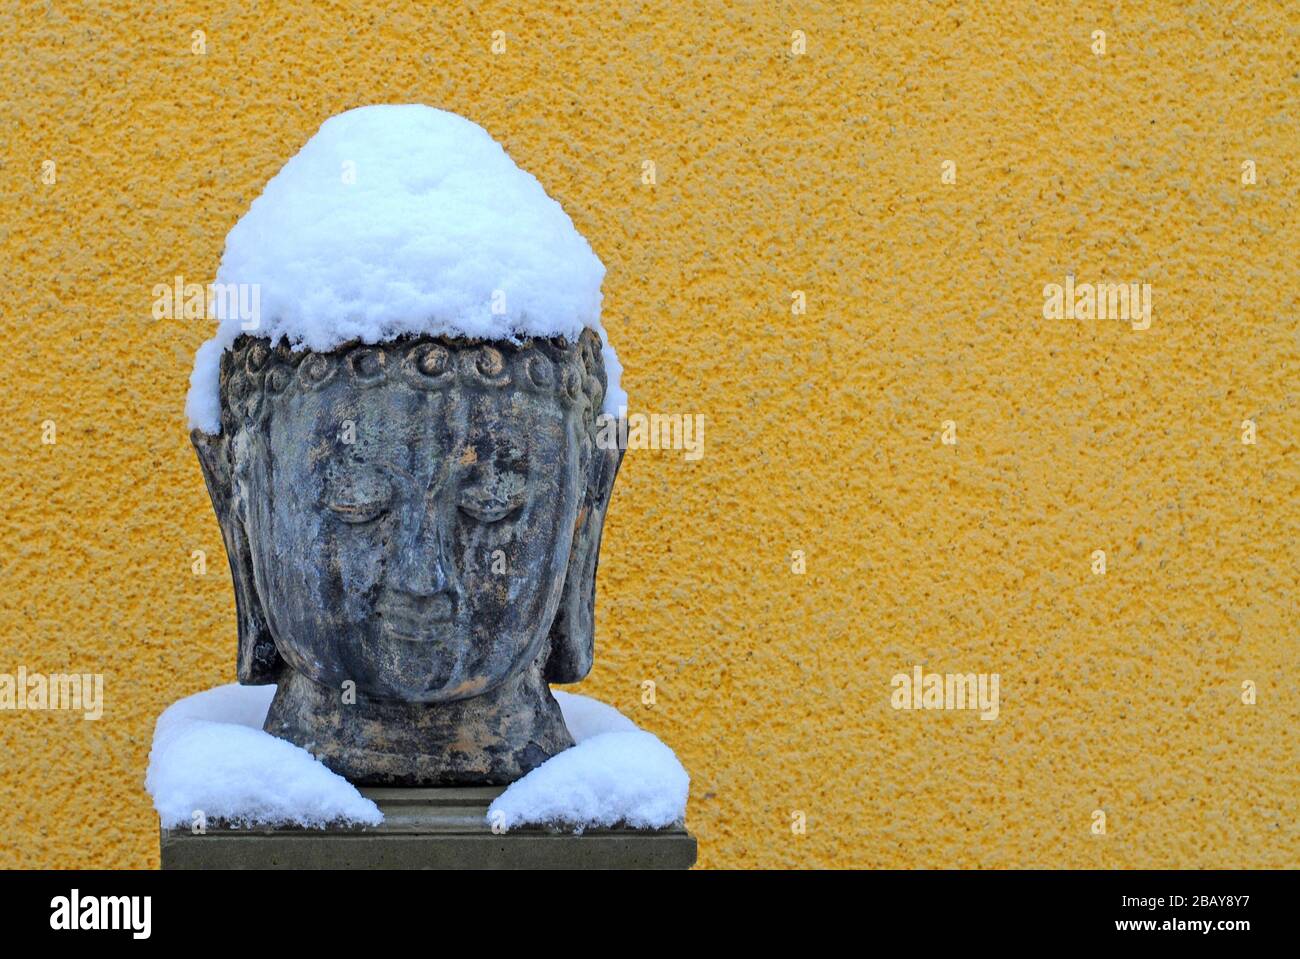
(413, 529)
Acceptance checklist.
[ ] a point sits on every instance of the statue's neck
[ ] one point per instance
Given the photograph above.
(492, 738)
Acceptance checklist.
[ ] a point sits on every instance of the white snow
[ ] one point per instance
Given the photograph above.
(210, 754)
(403, 219)
(617, 774)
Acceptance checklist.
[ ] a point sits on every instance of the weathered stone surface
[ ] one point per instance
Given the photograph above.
(427, 829)
(413, 531)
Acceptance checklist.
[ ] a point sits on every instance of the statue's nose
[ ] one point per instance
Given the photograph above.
(424, 568)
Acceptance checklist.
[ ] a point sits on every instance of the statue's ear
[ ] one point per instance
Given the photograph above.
(573, 634)
(259, 663)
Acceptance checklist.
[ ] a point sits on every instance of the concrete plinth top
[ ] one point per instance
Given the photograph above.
(444, 828)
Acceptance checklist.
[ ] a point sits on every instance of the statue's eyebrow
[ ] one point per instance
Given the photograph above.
(348, 464)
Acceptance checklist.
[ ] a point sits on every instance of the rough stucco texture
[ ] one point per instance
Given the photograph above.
(775, 172)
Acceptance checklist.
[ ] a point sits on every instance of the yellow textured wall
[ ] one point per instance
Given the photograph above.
(775, 172)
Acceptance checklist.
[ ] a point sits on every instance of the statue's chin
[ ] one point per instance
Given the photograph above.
(386, 668)
(444, 682)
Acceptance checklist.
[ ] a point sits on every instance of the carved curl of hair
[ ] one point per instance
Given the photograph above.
(253, 371)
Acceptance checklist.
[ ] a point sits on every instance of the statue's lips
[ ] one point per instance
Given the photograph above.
(426, 622)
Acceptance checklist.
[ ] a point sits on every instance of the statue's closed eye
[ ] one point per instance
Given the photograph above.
(491, 507)
(357, 496)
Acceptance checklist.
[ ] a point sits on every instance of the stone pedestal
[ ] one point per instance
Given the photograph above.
(441, 828)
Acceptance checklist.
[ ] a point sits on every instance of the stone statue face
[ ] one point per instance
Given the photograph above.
(420, 518)
(414, 540)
